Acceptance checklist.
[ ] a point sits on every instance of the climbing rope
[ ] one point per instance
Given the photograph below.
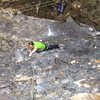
(33, 84)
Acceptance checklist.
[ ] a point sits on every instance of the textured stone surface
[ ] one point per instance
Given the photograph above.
(58, 74)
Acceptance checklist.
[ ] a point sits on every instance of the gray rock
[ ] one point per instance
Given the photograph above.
(52, 72)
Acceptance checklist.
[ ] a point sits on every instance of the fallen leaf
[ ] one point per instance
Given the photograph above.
(23, 78)
(86, 96)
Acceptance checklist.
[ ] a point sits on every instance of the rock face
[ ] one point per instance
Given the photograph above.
(58, 74)
(84, 11)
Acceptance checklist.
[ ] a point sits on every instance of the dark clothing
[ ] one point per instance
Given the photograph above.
(60, 7)
(55, 46)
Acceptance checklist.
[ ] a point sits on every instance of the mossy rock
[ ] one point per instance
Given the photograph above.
(89, 37)
(5, 44)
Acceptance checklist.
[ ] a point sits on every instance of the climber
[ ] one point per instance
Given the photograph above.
(38, 46)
